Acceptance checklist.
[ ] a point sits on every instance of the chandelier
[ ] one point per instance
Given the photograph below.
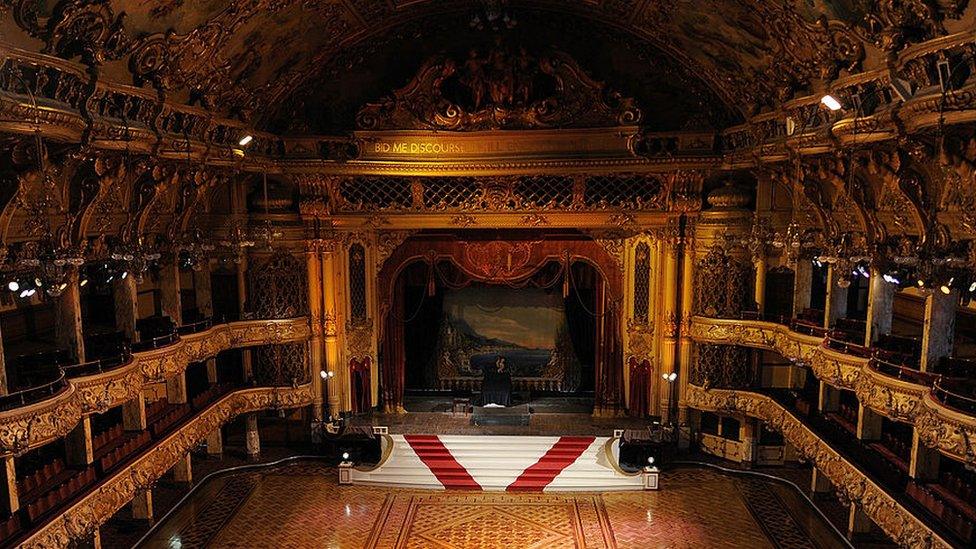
(134, 258)
(195, 250)
(237, 242)
(50, 265)
(847, 254)
(756, 242)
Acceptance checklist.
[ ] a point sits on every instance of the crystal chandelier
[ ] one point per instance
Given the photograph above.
(237, 242)
(50, 264)
(134, 259)
(195, 250)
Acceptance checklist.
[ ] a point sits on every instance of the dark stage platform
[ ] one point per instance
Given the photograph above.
(511, 415)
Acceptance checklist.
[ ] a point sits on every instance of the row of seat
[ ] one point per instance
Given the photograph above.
(9, 528)
(899, 447)
(965, 488)
(56, 497)
(207, 396)
(946, 513)
(40, 478)
(168, 419)
(123, 451)
(106, 437)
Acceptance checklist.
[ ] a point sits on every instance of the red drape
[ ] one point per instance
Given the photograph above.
(393, 351)
(361, 394)
(640, 379)
(609, 360)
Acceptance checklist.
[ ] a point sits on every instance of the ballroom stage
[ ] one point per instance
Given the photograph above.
(300, 505)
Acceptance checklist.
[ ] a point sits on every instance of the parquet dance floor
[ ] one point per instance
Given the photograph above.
(301, 505)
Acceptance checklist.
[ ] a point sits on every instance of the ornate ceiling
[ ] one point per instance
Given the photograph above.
(274, 60)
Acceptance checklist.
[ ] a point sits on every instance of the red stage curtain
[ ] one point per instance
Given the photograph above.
(640, 379)
(393, 352)
(609, 363)
(361, 397)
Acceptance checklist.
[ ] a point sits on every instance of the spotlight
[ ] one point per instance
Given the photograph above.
(863, 271)
(38, 282)
(831, 102)
(62, 286)
(245, 140)
(109, 279)
(13, 285)
(25, 293)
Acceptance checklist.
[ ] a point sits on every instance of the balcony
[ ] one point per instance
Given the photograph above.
(40, 414)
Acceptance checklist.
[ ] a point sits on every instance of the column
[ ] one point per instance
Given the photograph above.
(203, 293)
(685, 344)
(924, 464)
(176, 389)
(169, 290)
(215, 442)
(819, 483)
(203, 290)
(9, 501)
(747, 435)
(802, 285)
(78, 444)
(836, 297)
(330, 326)
(3, 369)
(242, 303)
(126, 306)
(868, 423)
(669, 313)
(881, 299)
(142, 505)
(252, 437)
(314, 264)
(938, 331)
(857, 521)
(828, 398)
(183, 469)
(67, 318)
(761, 265)
(93, 541)
(134, 414)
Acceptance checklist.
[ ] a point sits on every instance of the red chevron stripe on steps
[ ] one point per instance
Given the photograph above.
(562, 454)
(439, 460)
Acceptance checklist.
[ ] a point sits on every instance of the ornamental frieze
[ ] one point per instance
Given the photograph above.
(99, 505)
(849, 482)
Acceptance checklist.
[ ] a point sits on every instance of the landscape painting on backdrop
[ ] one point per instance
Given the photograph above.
(527, 326)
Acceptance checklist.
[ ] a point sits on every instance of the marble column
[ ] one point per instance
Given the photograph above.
(78, 444)
(252, 437)
(881, 299)
(924, 464)
(314, 265)
(836, 297)
(169, 290)
(669, 341)
(938, 331)
(331, 327)
(802, 285)
(685, 343)
(869, 423)
(134, 414)
(67, 318)
(215, 442)
(183, 469)
(9, 500)
(126, 306)
(142, 505)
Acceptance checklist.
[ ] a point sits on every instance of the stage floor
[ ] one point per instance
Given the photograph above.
(550, 416)
(301, 505)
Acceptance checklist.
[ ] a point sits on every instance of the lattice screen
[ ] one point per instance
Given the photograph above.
(375, 193)
(279, 287)
(722, 366)
(628, 191)
(642, 282)
(721, 286)
(544, 191)
(283, 365)
(357, 282)
(451, 193)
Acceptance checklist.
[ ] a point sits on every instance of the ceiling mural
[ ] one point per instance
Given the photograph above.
(252, 58)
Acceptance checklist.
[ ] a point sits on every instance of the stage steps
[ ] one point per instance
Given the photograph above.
(498, 463)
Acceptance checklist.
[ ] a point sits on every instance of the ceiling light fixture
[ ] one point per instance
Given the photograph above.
(246, 140)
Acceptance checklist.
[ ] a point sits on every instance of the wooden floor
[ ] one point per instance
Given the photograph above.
(301, 505)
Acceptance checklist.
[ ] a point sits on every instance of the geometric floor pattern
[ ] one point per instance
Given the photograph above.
(301, 505)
